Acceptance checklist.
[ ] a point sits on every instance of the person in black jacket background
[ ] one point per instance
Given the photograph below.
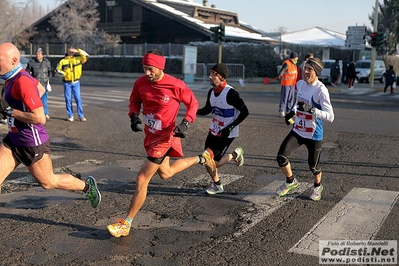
(351, 75)
(40, 68)
(390, 79)
(335, 72)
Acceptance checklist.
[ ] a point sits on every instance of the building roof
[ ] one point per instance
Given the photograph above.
(201, 17)
(198, 17)
(315, 36)
(240, 30)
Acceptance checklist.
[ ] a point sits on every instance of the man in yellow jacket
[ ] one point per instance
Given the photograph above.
(70, 68)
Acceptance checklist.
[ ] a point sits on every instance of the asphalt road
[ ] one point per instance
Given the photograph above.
(179, 224)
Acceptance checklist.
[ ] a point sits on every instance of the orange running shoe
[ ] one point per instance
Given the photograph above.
(120, 228)
(209, 161)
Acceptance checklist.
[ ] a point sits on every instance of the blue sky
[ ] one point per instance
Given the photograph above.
(294, 15)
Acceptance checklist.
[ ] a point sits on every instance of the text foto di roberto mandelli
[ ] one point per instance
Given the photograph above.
(354, 251)
(357, 242)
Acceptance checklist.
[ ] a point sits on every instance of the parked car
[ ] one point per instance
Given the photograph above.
(363, 70)
(325, 73)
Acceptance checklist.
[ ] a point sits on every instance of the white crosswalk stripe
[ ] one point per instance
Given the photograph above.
(363, 210)
(94, 98)
(359, 215)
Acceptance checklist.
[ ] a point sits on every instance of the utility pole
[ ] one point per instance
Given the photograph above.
(373, 49)
(220, 53)
(221, 39)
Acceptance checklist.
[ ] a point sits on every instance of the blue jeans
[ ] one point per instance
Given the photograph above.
(69, 90)
(287, 98)
(44, 101)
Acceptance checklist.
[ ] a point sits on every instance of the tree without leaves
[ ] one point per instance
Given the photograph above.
(6, 20)
(281, 29)
(15, 19)
(76, 23)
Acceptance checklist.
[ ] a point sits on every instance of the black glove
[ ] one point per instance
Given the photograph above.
(288, 116)
(134, 121)
(225, 132)
(5, 108)
(181, 130)
(304, 107)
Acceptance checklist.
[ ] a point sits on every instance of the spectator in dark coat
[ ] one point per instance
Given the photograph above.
(351, 75)
(390, 79)
(345, 65)
(335, 72)
(40, 68)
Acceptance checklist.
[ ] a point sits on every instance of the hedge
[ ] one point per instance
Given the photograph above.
(260, 60)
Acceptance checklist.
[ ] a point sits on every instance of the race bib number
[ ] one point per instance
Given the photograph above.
(304, 122)
(11, 126)
(152, 123)
(216, 125)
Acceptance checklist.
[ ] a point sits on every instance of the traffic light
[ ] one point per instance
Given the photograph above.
(221, 35)
(373, 39)
(218, 34)
(215, 34)
(380, 39)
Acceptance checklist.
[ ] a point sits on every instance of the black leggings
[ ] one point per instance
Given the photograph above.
(294, 141)
(218, 145)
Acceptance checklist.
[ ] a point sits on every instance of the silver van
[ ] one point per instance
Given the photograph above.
(363, 70)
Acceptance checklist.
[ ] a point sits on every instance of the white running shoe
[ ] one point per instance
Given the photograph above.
(316, 193)
(214, 189)
(240, 156)
(286, 187)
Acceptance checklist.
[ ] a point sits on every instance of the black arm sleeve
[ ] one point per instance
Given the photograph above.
(49, 69)
(207, 109)
(283, 69)
(233, 98)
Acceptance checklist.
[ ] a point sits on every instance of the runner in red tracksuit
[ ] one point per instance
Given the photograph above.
(161, 103)
(159, 95)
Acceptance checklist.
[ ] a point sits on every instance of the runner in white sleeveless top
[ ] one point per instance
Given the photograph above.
(228, 111)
